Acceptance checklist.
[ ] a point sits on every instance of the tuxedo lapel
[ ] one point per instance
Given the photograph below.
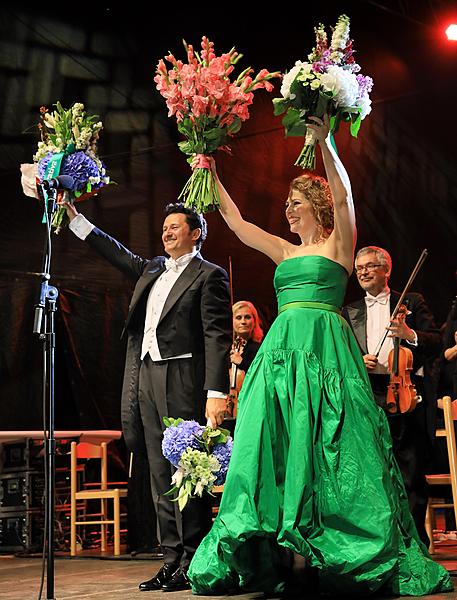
(357, 314)
(147, 280)
(184, 281)
(394, 297)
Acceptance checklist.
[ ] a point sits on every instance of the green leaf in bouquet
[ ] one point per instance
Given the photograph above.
(293, 123)
(279, 106)
(59, 217)
(70, 148)
(172, 491)
(186, 147)
(225, 432)
(186, 127)
(182, 500)
(235, 126)
(355, 124)
(170, 422)
(322, 103)
(214, 138)
(214, 433)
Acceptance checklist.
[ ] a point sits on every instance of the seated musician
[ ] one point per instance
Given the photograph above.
(413, 432)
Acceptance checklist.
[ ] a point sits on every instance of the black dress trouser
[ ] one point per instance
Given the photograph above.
(169, 389)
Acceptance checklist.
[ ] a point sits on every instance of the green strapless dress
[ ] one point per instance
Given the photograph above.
(312, 468)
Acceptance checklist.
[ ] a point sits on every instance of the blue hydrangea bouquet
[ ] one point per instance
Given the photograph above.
(200, 454)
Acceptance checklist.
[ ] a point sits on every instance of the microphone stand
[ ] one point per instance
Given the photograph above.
(44, 327)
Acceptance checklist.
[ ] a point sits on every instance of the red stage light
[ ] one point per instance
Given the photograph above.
(451, 32)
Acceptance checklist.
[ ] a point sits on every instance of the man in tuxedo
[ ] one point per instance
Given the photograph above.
(178, 338)
(412, 433)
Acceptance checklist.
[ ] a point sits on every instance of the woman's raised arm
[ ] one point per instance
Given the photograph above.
(344, 215)
(251, 235)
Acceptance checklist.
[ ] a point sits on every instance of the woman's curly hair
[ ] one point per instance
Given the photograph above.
(317, 191)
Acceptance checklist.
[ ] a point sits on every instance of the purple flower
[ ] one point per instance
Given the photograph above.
(223, 453)
(78, 165)
(365, 84)
(177, 438)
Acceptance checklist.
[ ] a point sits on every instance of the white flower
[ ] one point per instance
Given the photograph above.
(177, 477)
(342, 83)
(199, 488)
(336, 57)
(49, 120)
(289, 78)
(340, 35)
(77, 109)
(364, 103)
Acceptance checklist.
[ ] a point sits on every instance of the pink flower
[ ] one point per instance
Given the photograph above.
(199, 105)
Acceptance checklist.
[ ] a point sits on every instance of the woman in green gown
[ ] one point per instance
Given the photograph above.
(312, 468)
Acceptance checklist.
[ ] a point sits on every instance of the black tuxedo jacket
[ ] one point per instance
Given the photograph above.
(196, 318)
(424, 354)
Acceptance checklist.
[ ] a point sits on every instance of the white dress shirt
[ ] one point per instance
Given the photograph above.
(156, 300)
(378, 318)
(158, 295)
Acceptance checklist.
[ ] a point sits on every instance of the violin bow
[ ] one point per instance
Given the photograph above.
(409, 283)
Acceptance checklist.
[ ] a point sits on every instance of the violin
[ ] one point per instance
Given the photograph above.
(236, 380)
(401, 394)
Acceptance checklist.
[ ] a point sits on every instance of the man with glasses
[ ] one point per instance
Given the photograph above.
(369, 318)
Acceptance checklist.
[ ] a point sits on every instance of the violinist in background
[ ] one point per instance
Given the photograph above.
(247, 336)
(412, 432)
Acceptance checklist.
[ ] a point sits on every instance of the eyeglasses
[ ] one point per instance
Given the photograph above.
(368, 267)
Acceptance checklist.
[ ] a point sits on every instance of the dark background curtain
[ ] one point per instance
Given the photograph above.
(402, 167)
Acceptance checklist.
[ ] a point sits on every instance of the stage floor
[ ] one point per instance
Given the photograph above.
(110, 579)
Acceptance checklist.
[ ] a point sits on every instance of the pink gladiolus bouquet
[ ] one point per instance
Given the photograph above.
(328, 83)
(209, 109)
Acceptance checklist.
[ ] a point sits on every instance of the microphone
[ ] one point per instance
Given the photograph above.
(62, 182)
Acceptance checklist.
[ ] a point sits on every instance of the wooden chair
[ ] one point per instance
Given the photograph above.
(450, 415)
(84, 450)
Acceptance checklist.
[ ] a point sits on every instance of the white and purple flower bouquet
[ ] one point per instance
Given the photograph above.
(329, 82)
(68, 146)
(200, 454)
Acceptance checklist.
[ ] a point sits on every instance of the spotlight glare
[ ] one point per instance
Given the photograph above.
(451, 32)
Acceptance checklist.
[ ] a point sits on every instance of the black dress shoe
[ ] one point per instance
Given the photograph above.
(165, 574)
(177, 583)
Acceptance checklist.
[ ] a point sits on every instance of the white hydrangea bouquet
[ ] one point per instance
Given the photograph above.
(329, 82)
(68, 146)
(200, 454)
